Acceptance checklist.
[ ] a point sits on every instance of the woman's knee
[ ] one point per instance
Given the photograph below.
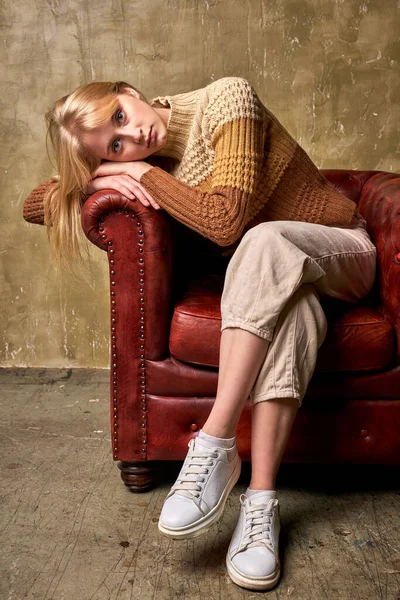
(264, 231)
(260, 239)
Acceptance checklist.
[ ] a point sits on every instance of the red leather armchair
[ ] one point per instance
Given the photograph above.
(165, 288)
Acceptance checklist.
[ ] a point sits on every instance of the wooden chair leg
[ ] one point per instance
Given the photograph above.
(137, 476)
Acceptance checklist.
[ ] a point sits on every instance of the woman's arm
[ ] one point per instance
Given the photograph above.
(221, 214)
(124, 178)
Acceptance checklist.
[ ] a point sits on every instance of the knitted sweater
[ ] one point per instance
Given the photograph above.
(228, 164)
(236, 166)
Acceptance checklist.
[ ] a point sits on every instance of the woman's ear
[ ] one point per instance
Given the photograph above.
(128, 90)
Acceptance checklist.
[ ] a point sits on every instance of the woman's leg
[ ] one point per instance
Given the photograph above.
(271, 423)
(241, 356)
(272, 261)
(253, 554)
(283, 381)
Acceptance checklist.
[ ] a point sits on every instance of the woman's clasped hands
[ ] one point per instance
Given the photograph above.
(124, 177)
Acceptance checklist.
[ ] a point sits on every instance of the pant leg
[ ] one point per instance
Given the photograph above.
(275, 258)
(292, 353)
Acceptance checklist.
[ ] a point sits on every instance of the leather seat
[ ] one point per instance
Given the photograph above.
(359, 338)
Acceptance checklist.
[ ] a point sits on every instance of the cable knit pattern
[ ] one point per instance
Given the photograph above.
(236, 166)
(228, 164)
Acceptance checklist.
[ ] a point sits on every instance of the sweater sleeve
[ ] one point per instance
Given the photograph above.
(238, 144)
(33, 209)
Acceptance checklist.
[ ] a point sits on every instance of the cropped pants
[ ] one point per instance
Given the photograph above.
(273, 285)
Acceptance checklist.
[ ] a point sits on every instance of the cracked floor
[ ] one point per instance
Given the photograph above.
(72, 531)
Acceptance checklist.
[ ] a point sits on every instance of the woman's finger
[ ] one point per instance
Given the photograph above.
(114, 183)
(127, 186)
(139, 192)
(148, 196)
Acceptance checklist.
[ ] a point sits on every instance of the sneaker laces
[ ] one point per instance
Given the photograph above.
(197, 462)
(258, 523)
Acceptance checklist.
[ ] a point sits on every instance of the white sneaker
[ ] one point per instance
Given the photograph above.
(197, 499)
(253, 555)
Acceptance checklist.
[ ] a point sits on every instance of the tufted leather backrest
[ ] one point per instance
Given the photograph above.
(377, 194)
(349, 183)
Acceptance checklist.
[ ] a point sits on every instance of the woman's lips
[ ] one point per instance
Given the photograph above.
(150, 137)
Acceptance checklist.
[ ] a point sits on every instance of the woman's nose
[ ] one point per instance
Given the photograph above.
(137, 136)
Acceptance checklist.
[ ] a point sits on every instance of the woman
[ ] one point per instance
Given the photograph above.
(220, 163)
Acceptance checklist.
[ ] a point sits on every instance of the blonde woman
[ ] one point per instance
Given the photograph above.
(221, 163)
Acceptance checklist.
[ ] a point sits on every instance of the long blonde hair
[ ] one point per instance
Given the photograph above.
(85, 109)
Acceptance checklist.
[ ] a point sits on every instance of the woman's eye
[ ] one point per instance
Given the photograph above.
(116, 146)
(120, 116)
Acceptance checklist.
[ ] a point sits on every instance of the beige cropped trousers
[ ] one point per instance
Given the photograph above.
(273, 285)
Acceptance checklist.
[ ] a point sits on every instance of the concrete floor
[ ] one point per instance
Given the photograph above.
(72, 531)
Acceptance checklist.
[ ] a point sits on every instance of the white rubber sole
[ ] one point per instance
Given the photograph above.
(253, 583)
(205, 523)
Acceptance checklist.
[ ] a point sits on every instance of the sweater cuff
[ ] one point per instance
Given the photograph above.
(33, 209)
(167, 191)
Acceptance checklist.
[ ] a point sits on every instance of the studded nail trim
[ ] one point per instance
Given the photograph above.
(114, 316)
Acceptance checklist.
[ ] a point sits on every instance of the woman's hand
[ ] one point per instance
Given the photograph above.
(134, 168)
(118, 176)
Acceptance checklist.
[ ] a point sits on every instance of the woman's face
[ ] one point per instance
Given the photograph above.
(125, 136)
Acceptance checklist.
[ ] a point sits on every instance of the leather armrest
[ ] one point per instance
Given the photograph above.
(380, 205)
(140, 251)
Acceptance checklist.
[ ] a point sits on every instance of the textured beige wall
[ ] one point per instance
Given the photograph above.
(329, 70)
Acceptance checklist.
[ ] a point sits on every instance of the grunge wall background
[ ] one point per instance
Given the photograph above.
(328, 69)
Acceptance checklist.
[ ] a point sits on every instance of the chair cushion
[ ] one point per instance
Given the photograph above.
(359, 338)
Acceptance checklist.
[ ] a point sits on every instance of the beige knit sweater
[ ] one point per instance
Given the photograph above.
(234, 166)
(228, 165)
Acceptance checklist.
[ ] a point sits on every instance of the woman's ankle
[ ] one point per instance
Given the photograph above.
(219, 432)
(262, 484)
